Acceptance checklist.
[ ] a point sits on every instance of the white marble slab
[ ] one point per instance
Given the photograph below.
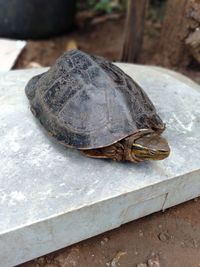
(51, 197)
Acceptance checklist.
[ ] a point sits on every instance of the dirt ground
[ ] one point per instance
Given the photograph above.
(167, 239)
(104, 39)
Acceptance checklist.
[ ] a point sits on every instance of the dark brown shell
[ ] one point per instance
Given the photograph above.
(87, 102)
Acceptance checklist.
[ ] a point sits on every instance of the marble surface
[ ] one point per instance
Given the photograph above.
(45, 188)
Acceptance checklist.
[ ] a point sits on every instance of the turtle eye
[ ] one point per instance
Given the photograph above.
(162, 150)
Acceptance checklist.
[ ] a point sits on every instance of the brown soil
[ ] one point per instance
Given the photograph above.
(103, 39)
(169, 239)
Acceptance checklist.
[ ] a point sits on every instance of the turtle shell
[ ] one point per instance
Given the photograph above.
(87, 102)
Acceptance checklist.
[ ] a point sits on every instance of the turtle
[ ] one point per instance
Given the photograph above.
(88, 103)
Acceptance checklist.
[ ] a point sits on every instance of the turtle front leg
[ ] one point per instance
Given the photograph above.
(127, 144)
(119, 151)
(114, 152)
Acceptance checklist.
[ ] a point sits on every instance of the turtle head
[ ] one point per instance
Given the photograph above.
(151, 146)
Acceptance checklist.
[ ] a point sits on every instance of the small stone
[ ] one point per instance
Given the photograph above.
(69, 258)
(99, 20)
(105, 240)
(196, 199)
(153, 262)
(142, 265)
(163, 237)
(141, 234)
(48, 260)
(182, 244)
(193, 44)
(41, 261)
(117, 257)
(33, 64)
(195, 243)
